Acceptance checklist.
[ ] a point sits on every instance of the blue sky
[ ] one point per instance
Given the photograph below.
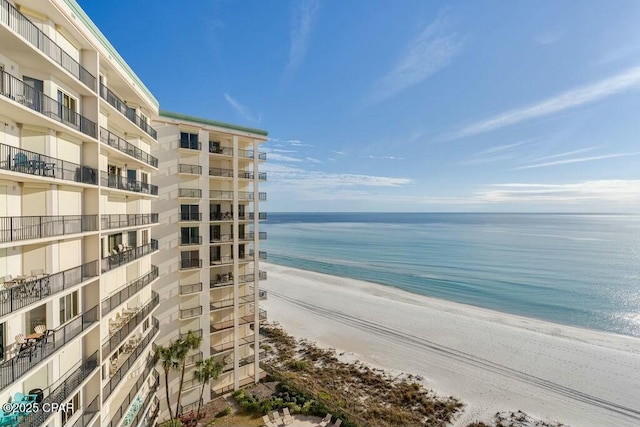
(410, 105)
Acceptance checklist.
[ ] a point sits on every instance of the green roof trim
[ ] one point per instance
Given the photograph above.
(107, 45)
(179, 116)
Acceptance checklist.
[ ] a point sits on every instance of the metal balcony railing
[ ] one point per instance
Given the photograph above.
(124, 146)
(224, 173)
(190, 289)
(135, 390)
(262, 176)
(123, 183)
(33, 291)
(184, 335)
(19, 23)
(261, 215)
(220, 216)
(190, 360)
(131, 360)
(121, 258)
(152, 415)
(248, 195)
(190, 240)
(221, 238)
(193, 406)
(16, 228)
(127, 290)
(17, 90)
(88, 412)
(217, 305)
(111, 221)
(262, 235)
(190, 145)
(62, 390)
(128, 112)
(26, 360)
(119, 336)
(190, 263)
(190, 216)
(217, 149)
(261, 255)
(250, 154)
(188, 313)
(145, 405)
(193, 169)
(24, 161)
(246, 278)
(221, 195)
(190, 192)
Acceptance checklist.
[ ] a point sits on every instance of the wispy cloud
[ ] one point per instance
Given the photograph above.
(384, 157)
(242, 110)
(578, 160)
(304, 16)
(617, 191)
(629, 79)
(548, 37)
(277, 157)
(429, 52)
(566, 153)
(496, 153)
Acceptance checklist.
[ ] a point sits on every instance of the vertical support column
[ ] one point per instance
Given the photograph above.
(236, 269)
(52, 255)
(256, 263)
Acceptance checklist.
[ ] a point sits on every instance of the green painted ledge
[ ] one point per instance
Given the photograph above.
(179, 116)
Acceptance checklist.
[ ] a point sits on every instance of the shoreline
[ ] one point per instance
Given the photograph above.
(493, 361)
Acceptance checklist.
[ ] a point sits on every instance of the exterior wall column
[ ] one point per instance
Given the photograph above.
(256, 263)
(236, 269)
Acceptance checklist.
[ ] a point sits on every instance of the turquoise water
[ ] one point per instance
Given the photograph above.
(579, 270)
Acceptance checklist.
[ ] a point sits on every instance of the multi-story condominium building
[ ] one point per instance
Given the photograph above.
(209, 247)
(76, 301)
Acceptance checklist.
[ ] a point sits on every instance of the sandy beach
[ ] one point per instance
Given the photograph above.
(492, 361)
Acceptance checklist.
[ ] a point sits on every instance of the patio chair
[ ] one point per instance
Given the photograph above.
(20, 162)
(22, 341)
(287, 418)
(8, 420)
(40, 329)
(37, 272)
(338, 423)
(325, 421)
(268, 422)
(276, 418)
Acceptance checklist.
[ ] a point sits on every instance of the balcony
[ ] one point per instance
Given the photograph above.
(190, 216)
(262, 176)
(220, 195)
(228, 324)
(16, 90)
(88, 413)
(62, 390)
(198, 333)
(190, 313)
(190, 240)
(190, 289)
(249, 339)
(126, 291)
(127, 184)
(33, 291)
(250, 154)
(221, 150)
(261, 216)
(13, 369)
(226, 259)
(131, 397)
(190, 192)
(186, 264)
(261, 255)
(191, 169)
(248, 195)
(151, 397)
(190, 145)
(262, 235)
(16, 228)
(133, 356)
(224, 173)
(193, 406)
(112, 140)
(247, 278)
(28, 162)
(152, 415)
(111, 221)
(194, 358)
(228, 367)
(19, 23)
(128, 112)
(220, 216)
(121, 258)
(119, 336)
(217, 238)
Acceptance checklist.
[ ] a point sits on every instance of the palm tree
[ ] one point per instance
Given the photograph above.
(182, 347)
(206, 370)
(168, 360)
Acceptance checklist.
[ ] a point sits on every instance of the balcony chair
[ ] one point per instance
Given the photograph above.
(268, 422)
(276, 418)
(37, 273)
(326, 420)
(287, 418)
(8, 420)
(338, 423)
(22, 341)
(20, 162)
(40, 329)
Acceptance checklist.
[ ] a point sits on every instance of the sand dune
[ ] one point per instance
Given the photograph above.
(492, 361)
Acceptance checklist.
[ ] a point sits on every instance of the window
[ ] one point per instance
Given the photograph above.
(70, 408)
(189, 212)
(67, 108)
(189, 235)
(145, 237)
(132, 237)
(33, 92)
(68, 307)
(115, 240)
(214, 233)
(189, 140)
(144, 177)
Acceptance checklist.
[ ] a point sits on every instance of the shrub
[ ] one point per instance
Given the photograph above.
(224, 412)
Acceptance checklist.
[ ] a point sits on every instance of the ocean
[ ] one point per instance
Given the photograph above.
(573, 269)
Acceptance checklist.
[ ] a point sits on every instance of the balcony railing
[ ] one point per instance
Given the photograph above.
(248, 195)
(119, 336)
(16, 228)
(19, 23)
(131, 360)
(246, 278)
(225, 173)
(220, 216)
(15, 89)
(221, 195)
(111, 221)
(193, 169)
(190, 192)
(193, 406)
(190, 289)
(123, 183)
(262, 235)
(250, 154)
(262, 176)
(128, 112)
(261, 255)
(13, 369)
(33, 291)
(88, 412)
(124, 406)
(190, 240)
(127, 290)
(190, 263)
(113, 261)
(120, 144)
(150, 418)
(261, 215)
(198, 333)
(145, 405)
(190, 145)
(190, 216)
(217, 305)
(190, 360)
(217, 149)
(188, 313)
(62, 390)
(221, 238)
(250, 339)
(24, 161)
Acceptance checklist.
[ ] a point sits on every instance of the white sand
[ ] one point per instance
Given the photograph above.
(492, 361)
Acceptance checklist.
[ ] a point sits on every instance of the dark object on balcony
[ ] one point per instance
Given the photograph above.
(38, 393)
(86, 174)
